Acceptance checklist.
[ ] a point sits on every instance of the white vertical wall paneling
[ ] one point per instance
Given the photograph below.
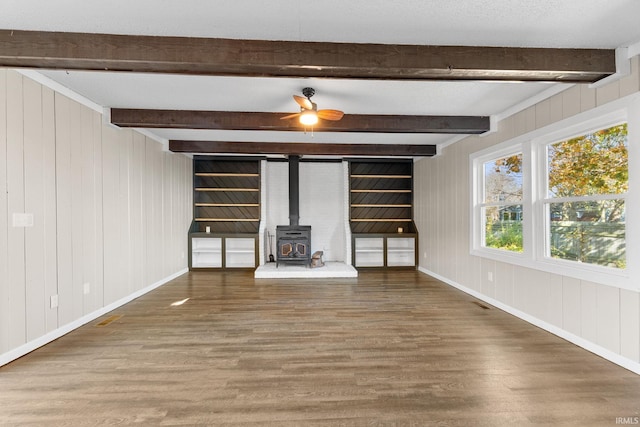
(554, 304)
(154, 246)
(437, 203)
(538, 292)
(587, 98)
(158, 200)
(346, 202)
(432, 219)
(113, 271)
(504, 282)
(63, 210)
(572, 305)
(136, 229)
(15, 186)
(418, 203)
(34, 181)
(149, 217)
(570, 102)
(444, 215)
(174, 219)
(488, 277)
(631, 83)
(167, 213)
(589, 311)
(177, 233)
(608, 317)
(147, 210)
(630, 324)
(97, 286)
(87, 222)
(49, 207)
(4, 219)
(77, 202)
(556, 109)
(187, 210)
(543, 114)
(83, 182)
(462, 211)
(126, 214)
(608, 93)
(125, 146)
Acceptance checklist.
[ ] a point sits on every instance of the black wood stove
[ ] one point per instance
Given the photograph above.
(293, 240)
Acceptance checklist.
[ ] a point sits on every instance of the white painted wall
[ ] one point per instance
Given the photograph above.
(321, 204)
(598, 316)
(111, 210)
(321, 207)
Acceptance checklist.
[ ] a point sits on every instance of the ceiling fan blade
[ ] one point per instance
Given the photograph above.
(330, 114)
(303, 102)
(290, 116)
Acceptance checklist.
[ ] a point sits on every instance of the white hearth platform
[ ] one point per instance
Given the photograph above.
(289, 271)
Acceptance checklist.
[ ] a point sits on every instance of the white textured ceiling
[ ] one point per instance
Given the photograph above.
(539, 23)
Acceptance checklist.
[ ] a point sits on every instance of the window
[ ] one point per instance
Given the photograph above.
(502, 203)
(556, 199)
(586, 184)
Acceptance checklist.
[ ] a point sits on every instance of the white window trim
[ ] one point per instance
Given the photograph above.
(477, 165)
(533, 147)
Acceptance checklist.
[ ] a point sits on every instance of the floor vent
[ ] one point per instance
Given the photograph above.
(108, 320)
(479, 304)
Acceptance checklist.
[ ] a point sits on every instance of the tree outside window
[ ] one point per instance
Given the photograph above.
(502, 205)
(587, 180)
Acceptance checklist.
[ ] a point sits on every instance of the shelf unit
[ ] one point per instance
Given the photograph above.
(381, 194)
(215, 250)
(226, 210)
(381, 213)
(385, 250)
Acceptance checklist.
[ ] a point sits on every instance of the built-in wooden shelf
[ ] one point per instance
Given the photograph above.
(225, 174)
(226, 190)
(227, 204)
(380, 191)
(380, 205)
(383, 176)
(381, 219)
(226, 212)
(227, 219)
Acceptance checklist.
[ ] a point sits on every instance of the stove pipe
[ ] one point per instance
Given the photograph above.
(294, 189)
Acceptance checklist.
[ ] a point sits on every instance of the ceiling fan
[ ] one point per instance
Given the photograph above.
(309, 113)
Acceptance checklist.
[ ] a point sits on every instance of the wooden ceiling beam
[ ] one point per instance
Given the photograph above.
(295, 148)
(237, 120)
(206, 56)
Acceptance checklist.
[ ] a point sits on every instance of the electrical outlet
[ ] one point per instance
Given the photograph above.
(87, 288)
(54, 301)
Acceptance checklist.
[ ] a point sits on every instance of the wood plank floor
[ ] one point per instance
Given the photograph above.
(385, 349)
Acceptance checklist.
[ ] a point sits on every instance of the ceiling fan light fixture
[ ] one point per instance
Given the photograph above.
(308, 118)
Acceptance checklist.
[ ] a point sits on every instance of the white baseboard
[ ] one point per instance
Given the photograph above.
(63, 330)
(575, 339)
